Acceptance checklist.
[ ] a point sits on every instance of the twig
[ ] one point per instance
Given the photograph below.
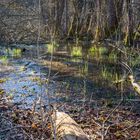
(112, 111)
(136, 124)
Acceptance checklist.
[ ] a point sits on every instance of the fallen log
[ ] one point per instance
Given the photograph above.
(66, 128)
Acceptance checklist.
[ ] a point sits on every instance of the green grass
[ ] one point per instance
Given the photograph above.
(97, 52)
(85, 69)
(51, 48)
(76, 52)
(109, 75)
(4, 60)
(16, 52)
(112, 57)
(135, 61)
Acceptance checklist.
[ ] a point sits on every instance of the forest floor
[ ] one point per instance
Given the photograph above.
(115, 122)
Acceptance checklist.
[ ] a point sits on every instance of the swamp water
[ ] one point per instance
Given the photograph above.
(79, 73)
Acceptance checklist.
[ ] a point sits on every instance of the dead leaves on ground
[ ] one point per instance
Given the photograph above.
(30, 122)
(122, 124)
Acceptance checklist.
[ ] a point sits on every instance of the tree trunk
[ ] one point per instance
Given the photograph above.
(66, 128)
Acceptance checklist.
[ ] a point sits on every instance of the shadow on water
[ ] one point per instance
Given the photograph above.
(81, 71)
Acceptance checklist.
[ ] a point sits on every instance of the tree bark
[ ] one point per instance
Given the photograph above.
(66, 128)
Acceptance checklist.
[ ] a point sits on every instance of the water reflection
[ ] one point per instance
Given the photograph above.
(77, 69)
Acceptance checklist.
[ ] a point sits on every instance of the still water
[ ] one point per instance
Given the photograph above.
(82, 72)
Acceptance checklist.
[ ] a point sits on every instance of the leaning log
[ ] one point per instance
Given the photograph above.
(66, 128)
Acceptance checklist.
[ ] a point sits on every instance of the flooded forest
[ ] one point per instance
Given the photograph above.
(69, 70)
